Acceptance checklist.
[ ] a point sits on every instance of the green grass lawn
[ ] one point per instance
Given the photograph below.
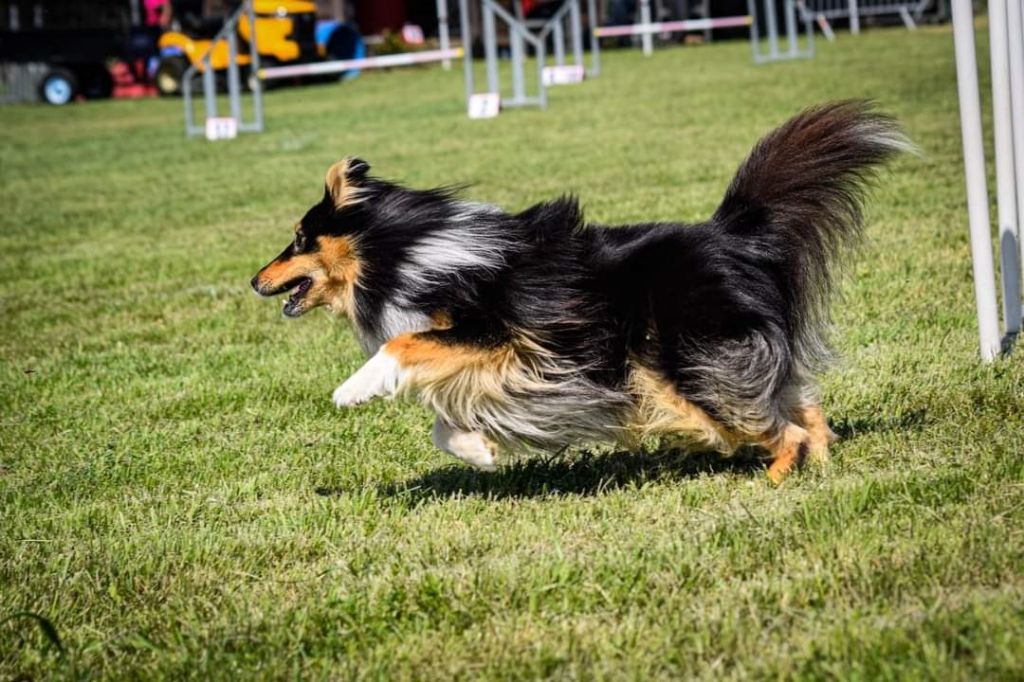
(179, 498)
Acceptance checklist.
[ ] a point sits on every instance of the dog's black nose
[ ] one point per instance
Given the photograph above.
(255, 282)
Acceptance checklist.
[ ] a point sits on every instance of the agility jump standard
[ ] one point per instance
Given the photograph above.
(340, 65)
(647, 28)
(673, 26)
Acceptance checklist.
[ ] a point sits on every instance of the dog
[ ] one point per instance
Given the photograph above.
(536, 330)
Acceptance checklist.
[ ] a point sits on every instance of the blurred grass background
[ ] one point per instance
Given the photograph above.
(179, 498)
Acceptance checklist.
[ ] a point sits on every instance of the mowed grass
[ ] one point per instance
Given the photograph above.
(179, 498)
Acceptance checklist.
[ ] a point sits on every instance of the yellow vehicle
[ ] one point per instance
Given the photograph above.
(285, 33)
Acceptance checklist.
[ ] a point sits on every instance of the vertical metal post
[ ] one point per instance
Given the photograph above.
(257, 82)
(809, 30)
(1006, 193)
(647, 39)
(576, 32)
(791, 34)
(595, 47)
(974, 168)
(490, 47)
(542, 90)
(186, 97)
(518, 72)
(234, 83)
(772, 29)
(466, 36)
(755, 36)
(209, 86)
(558, 38)
(855, 17)
(705, 12)
(1015, 31)
(442, 31)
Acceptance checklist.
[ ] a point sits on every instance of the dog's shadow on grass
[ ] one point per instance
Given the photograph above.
(583, 474)
(588, 474)
(851, 427)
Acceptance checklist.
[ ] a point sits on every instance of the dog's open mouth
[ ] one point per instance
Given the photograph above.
(298, 288)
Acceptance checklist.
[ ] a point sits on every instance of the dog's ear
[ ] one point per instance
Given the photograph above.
(343, 179)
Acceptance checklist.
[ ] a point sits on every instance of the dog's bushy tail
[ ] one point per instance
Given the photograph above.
(797, 203)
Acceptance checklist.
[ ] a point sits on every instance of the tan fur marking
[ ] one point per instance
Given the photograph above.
(465, 385)
(661, 411)
(413, 350)
(787, 449)
(277, 273)
(820, 435)
(341, 188)
(341, 272)
(440, 320)
(334, 270)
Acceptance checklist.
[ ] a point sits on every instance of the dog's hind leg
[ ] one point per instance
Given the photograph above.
(789, 448)
(820, 436)
(473, 448)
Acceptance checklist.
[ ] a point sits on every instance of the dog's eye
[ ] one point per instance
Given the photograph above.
(300, 241)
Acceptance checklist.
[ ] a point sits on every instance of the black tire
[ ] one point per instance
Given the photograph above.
(96, 82)
(169, 74)
(58, 87)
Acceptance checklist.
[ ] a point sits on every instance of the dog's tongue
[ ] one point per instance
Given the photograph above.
(301, 289)
(292, 302)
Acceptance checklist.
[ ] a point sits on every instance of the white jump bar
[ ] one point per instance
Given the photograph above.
(672, 26)
(320, 68)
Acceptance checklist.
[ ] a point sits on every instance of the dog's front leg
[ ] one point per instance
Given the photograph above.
(471, 447)
(448, 374)
(380, 376)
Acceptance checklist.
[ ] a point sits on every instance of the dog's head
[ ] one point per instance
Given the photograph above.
(321, 265)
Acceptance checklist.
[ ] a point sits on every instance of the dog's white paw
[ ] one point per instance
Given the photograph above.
(471, 447)
(378, 377)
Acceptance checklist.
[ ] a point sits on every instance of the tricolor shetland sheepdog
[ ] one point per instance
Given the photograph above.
(537, 330)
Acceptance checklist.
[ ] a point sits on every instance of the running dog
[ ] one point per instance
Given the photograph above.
(537, 330)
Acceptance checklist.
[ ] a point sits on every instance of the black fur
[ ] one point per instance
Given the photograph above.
(731, 311)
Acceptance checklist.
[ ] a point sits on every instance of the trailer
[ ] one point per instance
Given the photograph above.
(58, 66)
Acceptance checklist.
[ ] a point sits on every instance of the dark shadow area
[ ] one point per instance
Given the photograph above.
(587, 474)
(1008, 342)
(583, 474)
(846, 429)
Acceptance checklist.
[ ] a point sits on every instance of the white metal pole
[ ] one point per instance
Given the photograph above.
(595, 48)
(974, 170)
(576, 32)
(466, 37)
(558, 39)
(771, 27)
(442, 31)
(855, 17)
(515, 37)
(1006, 192)
(1015, 31)
(254, 52)
(789, 10)
(490, 46)
(647, 40)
